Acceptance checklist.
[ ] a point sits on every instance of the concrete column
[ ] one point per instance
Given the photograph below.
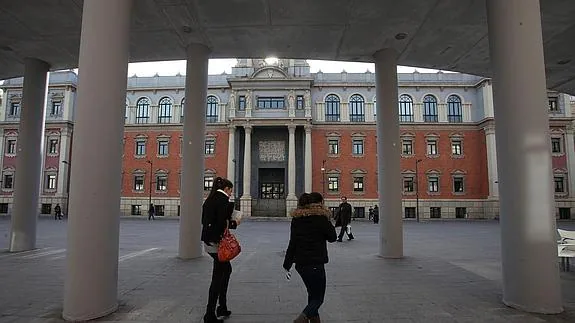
(232, 154)
(528, 233)
(570, 150)
(418, 112)
(308, 159)
(192, 189)
(388, 152)
(291, 162)
(246, 199)
(91, 286)
(441, 112)
(491, 147)
(30, 156)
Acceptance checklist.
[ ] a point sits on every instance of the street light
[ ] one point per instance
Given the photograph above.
(323, 177)
(150, 196)
(417, 190)
(65, 162)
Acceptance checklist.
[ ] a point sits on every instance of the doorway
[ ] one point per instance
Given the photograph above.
(271, 193)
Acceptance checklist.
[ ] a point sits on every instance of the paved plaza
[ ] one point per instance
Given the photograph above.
(451, 273)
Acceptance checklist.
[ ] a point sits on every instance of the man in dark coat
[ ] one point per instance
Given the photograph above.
(376, 215)
(344, 218)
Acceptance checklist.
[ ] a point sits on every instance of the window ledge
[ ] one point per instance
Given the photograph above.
(432, 156)
(8, 190)
(333, 155)
(52, 155)
(333, 192)
(408, 193)
(557, 154)
(209, 155)
(162, 156)
(457, 156)
(359, 193)
(407, 156)
(161, 192)
(357, 156)
(433, 193)
(10, 155)
(139, 156)
(138, 192)
(458, 193)
(561, 194)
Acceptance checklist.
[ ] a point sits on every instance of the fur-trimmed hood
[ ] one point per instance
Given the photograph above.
(310, 210)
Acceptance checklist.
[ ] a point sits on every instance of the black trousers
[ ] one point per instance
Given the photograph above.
(313, 277)
(342, 231)
(219, 287)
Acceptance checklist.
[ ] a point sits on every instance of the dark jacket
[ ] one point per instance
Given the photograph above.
(216, 213)
(344, 214)
(310, 229)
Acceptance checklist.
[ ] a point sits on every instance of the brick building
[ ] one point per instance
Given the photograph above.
(302, 131)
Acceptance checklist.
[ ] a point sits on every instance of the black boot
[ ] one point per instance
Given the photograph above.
(211, 317)
(223, 312)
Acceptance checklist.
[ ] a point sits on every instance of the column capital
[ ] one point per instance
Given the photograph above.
(489, 129)
(291, 128)
(307, 128)
(248, 128)
(570, 128)
(232, 127)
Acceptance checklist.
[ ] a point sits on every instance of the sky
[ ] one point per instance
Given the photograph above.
(218, 66)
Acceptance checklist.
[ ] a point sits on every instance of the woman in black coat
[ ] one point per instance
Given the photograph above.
(310, 229)
(216, 217)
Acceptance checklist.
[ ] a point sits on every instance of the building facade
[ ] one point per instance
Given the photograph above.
(277, 130)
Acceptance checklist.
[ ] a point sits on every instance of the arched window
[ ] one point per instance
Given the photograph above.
(332, 108)
(182, 109)
(165, 115)
(454, 113)
(126, 111)
(212, 109)
(405, 108)
(357, 112)
(375, 107)
(430, 109)
(143, 110)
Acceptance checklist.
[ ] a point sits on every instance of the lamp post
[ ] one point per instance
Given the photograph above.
(65, 162)
(417, 190)
(150, 196)
(323, 177)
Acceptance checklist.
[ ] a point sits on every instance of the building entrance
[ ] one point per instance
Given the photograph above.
(271, 193)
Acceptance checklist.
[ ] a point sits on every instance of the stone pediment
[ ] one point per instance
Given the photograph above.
(269, 73)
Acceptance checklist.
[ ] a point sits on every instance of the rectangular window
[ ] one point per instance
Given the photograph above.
(139, 183)
(460, 212)
(433, 184)
(408, 186)
(333, 183)
(3, 208)
(407, 147)
(300, 102)
(56, 108)
(163, 148)
(358, 184)
(272, 191)
(357, 147)
(53, 146)
(271, 103)
(14, 109)
(140, 148)
(11, 146)
(46, 208)
(210, 146)
(553, 104)
(556, 145)
(242, 102)
(409, 212)
(458, 185)
(333, 146)
(8, 182)
(435, 212)
(50, 182)
(456, 148)
(564, 212)
(136, 209)
(559, 184)
(161, 183)
(432, 147)
(359, 212)
(208, 183)
(160, 210)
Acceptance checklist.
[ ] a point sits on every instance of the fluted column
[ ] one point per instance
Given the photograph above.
(30, 153)
(91, 287)
(246, 199)
(528, 230)
(232, 155)
(308, 159)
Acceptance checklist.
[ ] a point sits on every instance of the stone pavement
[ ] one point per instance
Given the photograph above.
(451, 273)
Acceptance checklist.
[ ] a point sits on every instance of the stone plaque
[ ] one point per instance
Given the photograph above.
(272, 151)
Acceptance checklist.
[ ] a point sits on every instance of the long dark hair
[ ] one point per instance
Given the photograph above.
(315, 197)
(219, 184)
(303, 200)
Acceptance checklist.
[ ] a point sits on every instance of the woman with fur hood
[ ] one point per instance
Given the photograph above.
(310, 229)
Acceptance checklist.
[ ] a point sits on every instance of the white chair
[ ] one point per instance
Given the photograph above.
(566, 247)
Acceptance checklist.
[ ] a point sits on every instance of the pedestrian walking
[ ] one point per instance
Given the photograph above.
(375, 214)
(307, 249)
(344, 219)
(216, 218)
(57, 212)
(151, 212)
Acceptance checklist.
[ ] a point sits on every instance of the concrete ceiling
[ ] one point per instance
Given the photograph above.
(441, 34)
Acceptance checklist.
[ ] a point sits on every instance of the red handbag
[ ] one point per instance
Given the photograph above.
(229, 247)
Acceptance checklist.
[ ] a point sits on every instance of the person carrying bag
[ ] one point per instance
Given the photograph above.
(220, 244)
